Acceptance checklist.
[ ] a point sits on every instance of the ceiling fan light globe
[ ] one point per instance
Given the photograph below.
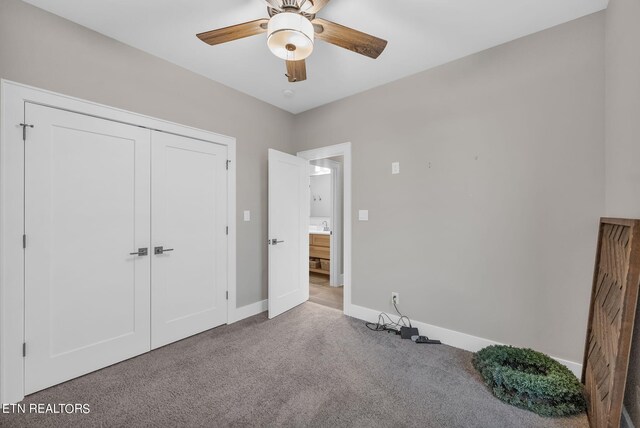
(290, 36)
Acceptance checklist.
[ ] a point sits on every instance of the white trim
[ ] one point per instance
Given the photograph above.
(626, 421)
(11, 254)
(337, 191)
(232, 316)
(576, 368)
(65, 102)
(449, 337)
(344, 150)
(12, 98)
(251, 310)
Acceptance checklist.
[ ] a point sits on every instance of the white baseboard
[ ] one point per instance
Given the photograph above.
(250, 310)
(626, 421)
(448, 337)
(576, 368)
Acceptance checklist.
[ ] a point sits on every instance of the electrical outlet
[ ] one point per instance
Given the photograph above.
(395, 297)
(395, 168)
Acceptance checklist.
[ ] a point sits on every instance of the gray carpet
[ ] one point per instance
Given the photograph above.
(312, 366)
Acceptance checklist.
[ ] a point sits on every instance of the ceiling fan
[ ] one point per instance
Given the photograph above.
(291, 28)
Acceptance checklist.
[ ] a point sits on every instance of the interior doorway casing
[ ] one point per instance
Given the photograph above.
(343, 150)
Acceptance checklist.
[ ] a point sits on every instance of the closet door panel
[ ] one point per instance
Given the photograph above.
(87, 207)
(189, 219)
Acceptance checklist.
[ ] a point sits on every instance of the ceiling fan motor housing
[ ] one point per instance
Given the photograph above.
(290, 3)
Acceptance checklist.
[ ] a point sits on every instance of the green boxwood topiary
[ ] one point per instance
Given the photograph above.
(530, 380)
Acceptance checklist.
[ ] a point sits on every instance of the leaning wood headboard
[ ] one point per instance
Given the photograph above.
(614, 297)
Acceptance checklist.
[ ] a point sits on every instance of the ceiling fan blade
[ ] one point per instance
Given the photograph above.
(316, 5)
(296, 71)
(234, 32)
(348, 38)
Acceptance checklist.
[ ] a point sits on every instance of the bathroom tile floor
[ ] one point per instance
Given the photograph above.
(321, 293)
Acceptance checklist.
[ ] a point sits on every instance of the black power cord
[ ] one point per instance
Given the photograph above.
(395, 326)
(391, 326)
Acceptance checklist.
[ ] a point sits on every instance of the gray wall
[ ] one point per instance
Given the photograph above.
(490, 228)
(43, 50)
(623, 143)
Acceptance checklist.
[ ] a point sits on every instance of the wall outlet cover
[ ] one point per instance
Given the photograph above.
(395, 295)
(395, 168)
(363, 215)
(247, 215)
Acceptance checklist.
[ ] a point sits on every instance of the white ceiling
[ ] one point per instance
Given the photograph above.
(421, 34)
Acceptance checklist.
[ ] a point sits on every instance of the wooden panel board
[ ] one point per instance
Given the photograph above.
(612, 311)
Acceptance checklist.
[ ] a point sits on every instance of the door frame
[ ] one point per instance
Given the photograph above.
(12, 100)
(343, 149)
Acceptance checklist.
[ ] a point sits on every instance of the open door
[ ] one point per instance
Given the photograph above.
(288, 232)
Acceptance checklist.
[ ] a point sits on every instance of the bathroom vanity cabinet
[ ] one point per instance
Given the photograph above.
(319, 249)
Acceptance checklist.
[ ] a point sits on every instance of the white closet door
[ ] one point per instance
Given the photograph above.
(87, 189)
(189, 221)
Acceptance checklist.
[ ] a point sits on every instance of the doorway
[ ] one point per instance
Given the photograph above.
(330, 226)
(325, 232)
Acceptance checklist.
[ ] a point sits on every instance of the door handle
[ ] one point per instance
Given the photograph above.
(160, 250)
(141, 252)
(274, 241)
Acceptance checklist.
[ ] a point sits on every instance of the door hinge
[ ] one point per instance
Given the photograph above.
(227, 230)
(228, 162)
(227, 295)
(24, 349)
(24, 130)
(24, 241)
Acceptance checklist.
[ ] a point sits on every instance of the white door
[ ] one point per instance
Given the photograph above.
(189, 222)
(86, 209)
(288, 232)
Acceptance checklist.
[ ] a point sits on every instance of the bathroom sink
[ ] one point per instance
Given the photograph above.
(319, 230)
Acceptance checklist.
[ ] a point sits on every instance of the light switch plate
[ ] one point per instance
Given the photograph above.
(395, 168)
(247, 215)
(363, 215)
